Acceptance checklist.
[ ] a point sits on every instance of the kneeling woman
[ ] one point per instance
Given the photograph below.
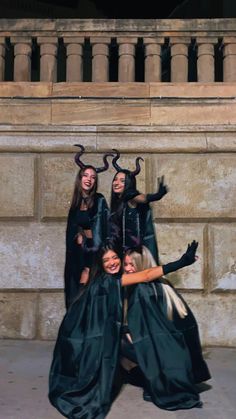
(87, 351)
(157, 309)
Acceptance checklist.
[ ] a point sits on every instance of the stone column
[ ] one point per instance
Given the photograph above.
(74, 58)
(48, 58)
(206, 60)
(153, 59)
(22, 58)
(2, 58)
(126, 69)
(179, 59)
(100, 61)
(229, 66)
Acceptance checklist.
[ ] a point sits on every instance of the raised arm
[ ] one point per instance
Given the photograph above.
(188, 258)
(162, 190)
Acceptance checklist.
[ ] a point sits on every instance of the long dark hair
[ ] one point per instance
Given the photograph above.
(77, 194)
(117, 201)
(97, 265)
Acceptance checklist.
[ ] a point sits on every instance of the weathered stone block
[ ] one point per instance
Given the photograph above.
(19, 112)
(51, 312)
(192, 113)
(216, 317)
(172, 241)
(18, 315)
(222, 256)
(58, 176)
(98, 112)
(101, 89)
(25, 89)
(193, 90)
(17, 186)
(199, 185)
(32, 255)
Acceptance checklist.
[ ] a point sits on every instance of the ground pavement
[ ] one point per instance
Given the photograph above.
(24, 369)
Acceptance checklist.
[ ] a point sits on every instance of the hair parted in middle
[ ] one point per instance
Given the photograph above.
(143, 259)
(77, 194)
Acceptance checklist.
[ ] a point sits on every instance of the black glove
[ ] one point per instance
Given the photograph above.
(188, 258)
(162, 191)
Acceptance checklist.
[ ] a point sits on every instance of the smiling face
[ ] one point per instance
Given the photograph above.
(111, 262)
(128, 265)
(118, 184)
(88, 180)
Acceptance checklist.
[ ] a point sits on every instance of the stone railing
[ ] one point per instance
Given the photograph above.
(118, 50)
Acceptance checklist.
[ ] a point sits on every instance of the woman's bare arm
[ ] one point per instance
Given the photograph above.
(144, 276)
(188, 258)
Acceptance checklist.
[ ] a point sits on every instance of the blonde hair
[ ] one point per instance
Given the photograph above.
(145, 260)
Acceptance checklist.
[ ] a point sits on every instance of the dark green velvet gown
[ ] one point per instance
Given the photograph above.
(87, 352)
(76, 258)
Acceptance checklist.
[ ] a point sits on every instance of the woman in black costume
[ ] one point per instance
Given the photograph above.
(86, 226)
(87, 352)
(130, 209)
(169, 305)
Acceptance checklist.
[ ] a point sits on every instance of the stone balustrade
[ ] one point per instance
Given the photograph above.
(118, 50)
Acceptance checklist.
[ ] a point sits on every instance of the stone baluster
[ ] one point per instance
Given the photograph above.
(2, 58)
(206, 60)
(48, 58)
(229, 66)
(179, 59)
(22, 58)
(153, 59)
(126, 68)
(100, 61)
(74, 58)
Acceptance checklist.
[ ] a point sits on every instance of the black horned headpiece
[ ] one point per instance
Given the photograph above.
(84, 166)
(119, 169)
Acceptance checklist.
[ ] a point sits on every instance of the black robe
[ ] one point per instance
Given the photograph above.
(147, 307)
(87, 352)
(76, 258)
(136, 224)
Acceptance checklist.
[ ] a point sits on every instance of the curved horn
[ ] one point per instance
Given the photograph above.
(77, 156)
(138, 168)
(114, 160)
(106, 164)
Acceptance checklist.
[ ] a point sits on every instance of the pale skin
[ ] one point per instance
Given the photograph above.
(118, 186)
(112, 265)
(87, 183)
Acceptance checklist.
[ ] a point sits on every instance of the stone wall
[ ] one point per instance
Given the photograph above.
(186, 132)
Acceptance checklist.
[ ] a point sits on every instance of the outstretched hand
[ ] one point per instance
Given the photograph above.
(189, 257)
(162, 188)
(161, 191)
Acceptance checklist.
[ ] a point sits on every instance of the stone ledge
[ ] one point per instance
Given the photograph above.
(84, 26)
(117, 90)
(165, 140)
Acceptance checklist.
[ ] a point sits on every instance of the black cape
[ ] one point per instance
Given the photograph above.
(136, 224)
(76, 257)
(87, 352)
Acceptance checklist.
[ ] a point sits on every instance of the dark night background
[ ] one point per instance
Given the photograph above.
(122, 9)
